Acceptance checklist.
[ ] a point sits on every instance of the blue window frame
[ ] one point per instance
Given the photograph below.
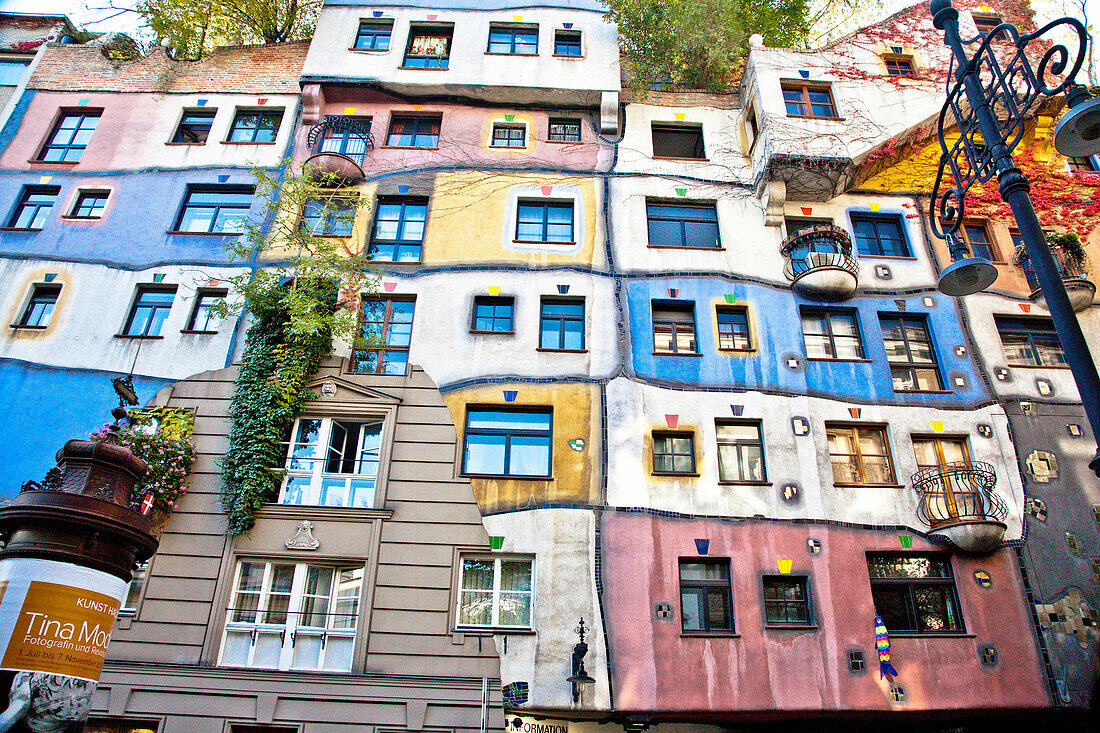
(683, 225)
(733, 328)
(90, 204)
(215, 209)
(561, 324)
(70, 135)
(201, 318)
(385, 332)
(567, 43)
(374, 35)
(414, 131)
(149, 311)
(674, 327)
(34, 207)
(332, 218)
(879, 235)
(429, 47)
(398, 229)
(493, 314)
(40, 306)
(255, 126)
(545, 221)
(514, 40)
(507, 442)
(194, 126)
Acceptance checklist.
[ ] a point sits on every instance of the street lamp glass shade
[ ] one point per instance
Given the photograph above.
(1078, 132)
(967, 276)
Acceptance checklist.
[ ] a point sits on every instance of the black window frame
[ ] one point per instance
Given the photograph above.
(154, 308)
(912, 621)
(894, 65)
(733, 315)
(545, 205)
(513, 31)
(661, 137)
(376, 29)
(204, 299)
(667, 449)
(778, 606)
(805, 103)
(507, 140)
(569, 39)
(346, 135)
(428, 61)
(675, 325)
(41, 208)
(493, 302)
(1029, 328)
(875, 220)
(383, 349)
(564, 136)
(400, 243)
(910, 366)
(509, 434)
(95, 211)
(964, 233)
(738, 444)
(336, 211)
(76, 149)
(42, 294)
(721, 588)
(561, 319)
(261, 115)
(661, 213)
(828, 335)
(417, 120)
(187, 126)
(198, 188)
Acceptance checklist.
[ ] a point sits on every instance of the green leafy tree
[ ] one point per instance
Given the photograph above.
(191, 28)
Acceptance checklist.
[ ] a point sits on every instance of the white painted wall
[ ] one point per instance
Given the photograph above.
(725, 160)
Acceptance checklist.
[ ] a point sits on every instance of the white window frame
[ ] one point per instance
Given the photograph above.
(497, 561)
(289, 631)
(317, 491)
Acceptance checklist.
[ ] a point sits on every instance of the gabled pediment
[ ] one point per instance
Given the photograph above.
(334, 389)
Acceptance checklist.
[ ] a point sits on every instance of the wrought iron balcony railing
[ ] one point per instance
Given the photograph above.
(339, 145)
(957, 494)
(1075, 277)
(819, 261)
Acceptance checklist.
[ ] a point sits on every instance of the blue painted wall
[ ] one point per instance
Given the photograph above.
(776, 330)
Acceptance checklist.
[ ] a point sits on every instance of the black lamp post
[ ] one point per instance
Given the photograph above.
(987, 101)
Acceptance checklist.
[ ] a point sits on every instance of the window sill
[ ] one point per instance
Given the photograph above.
(903, 258)
(815, 117)
(423, 68)
(369, 50)
(924, 391)
(931, 635)
(676, 353)
(567, 56)
(566, 142)
(493, 333)
(1040, 366)
(22, 327)
(410, 147)
(709, 635)
(54, 162)
(543, 241)
(186, 145)
(673, 157)
(744, 483)
(563, 351)
(739, 352)
(205, 234)
(509, 148)
(137, 337)
(673, 474)
(491, 630)
(19, 229)
(794, 627)
(245, 142)
(867, 486)
(679, 246)
(501, 53)
(848, 361)
(506, 477)
(193, 331)
(69, 217)
(294, 511)
(396, 262)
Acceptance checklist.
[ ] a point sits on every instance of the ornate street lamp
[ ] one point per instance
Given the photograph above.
(987, 102)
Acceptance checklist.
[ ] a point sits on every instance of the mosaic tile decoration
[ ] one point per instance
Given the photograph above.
(900, 304)
(1071, 615)
(987, 655)
(1043, 465)
(882, 272)
(1074, 545)
(577, 444)
(1075, 430)
(1044, 387)
(515, 693)
(985, 430)
(1002, 374)
(1028, 408)
(702, 546)
(1036, 508)
(897, 693)
(814, 546)
(960, 351)
(662, 612)
(929, 301)
(1096, 514)
(800, 425)
(1096, 570)
(857, 661)
(982, 578)
(790, 493)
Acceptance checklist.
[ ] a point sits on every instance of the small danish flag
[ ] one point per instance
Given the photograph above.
(147, 504)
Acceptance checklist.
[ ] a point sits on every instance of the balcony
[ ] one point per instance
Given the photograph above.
(820, 263)
(958, 502)
(339, 145)
(1075, 276)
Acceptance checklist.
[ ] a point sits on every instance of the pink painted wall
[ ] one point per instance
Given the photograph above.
(655, 668)
(463, 134)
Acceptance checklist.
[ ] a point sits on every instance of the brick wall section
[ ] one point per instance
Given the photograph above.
(271, 69)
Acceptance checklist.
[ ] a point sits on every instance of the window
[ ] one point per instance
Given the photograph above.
(706, 602)
(544, 221)
(385, 330)
(194, 126)
(803, 100)
(493, 314)
(398, 229)
(795, 224)
(910, 353)
(985, 23)
(564, 130)
(133, 590)
(515, 40)
(752, 127)
(673, 453)
(414, 131)
(567, 43)
(977, 238)
(860, 454)
(674, 328)
(332, 462)
(333, 217)
(429, 47)
(215, 210)
(503, 442)
(112, 725)
(12, 71)
(1087, 165)
(740, 452)
(561, 324)
(373, 35)
(914, 593)
(786, 600)
(201, 317)
(1030, 341)
(149, 311)
(879, 236)
(733, 328)
(255, 126)
(495, 592)
(678, 141)
(292, 616)
(831, 334)
(899, 65)
(90, 204)
(680, 225)
(40, 306)
(349, 136)
(70, 136)
(34, 207)
(931, 452)
(509, 136)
